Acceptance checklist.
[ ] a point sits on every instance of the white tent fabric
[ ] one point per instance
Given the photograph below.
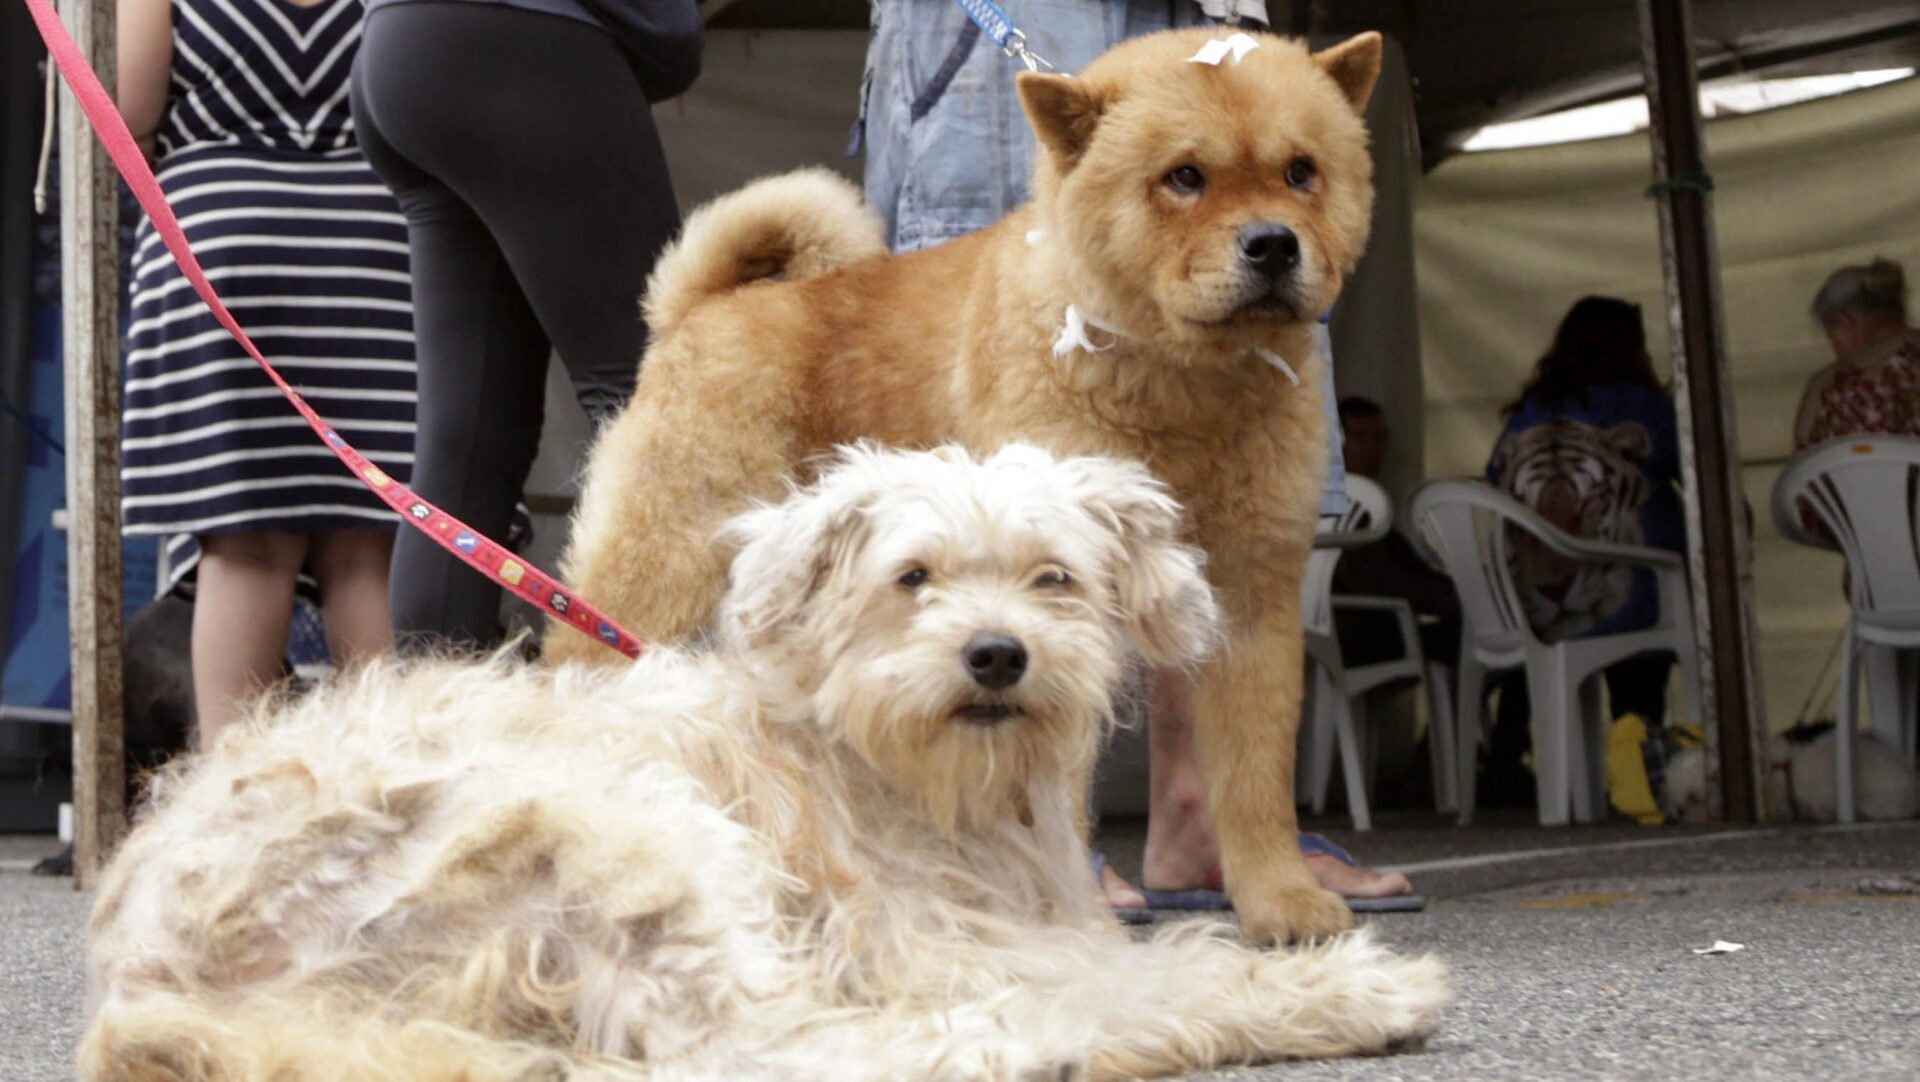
(1506, 241)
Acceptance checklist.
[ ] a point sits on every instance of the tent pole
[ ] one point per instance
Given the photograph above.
(90, 331)
(1719, 544)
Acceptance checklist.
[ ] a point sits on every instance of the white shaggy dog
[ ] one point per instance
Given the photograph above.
(843, 844)
(1801, 780)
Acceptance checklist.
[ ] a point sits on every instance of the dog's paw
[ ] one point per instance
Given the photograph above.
(1293, 915)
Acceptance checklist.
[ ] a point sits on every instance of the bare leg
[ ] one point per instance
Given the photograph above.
(243, 602)
(352, 566)
(1181, 851)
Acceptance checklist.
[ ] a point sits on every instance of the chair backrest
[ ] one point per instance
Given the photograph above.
(1368, 517)
(1463, 525)
(1863, 490)
(1369, 509)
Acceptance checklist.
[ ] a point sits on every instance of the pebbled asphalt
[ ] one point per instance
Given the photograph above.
(1568, 965)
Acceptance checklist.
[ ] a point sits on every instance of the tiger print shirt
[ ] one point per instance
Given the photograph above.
(1602, 464)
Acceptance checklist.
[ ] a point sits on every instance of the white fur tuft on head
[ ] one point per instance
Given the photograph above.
(1213, 52)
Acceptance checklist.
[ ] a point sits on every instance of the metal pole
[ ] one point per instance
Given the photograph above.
(1719, 546)
(90, 331)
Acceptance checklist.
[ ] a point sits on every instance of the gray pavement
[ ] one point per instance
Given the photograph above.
(1571, 951)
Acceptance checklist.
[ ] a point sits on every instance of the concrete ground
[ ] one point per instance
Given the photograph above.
(1572, 951)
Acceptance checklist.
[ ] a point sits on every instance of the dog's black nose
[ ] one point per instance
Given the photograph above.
(996, 661)
(1270, 248)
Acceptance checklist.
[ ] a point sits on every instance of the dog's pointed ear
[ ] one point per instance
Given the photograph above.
(1355, 65)
(1160, 583)
(786, 552)
(1063, 111)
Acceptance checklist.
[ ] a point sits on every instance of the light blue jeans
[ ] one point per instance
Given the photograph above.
(948, 149)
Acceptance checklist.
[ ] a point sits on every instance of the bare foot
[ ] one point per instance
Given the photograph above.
(1329, 871)
(1349, 881)
(1120, 893)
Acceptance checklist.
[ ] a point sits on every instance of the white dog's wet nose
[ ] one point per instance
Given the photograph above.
(995, 661)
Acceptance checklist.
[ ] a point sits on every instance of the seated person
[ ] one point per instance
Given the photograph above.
(1390, 567)
(1590, 444)
(1873, 385)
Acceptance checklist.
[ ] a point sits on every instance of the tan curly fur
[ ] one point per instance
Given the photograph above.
(755, 233)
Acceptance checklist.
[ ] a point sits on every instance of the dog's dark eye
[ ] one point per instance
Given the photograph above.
(1300, 172)
(914, 579)
(1186, 180)
(1053, 579)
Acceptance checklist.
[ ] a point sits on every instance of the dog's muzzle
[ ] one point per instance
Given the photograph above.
(996, 662)
(1270, 250)
(1270, 258)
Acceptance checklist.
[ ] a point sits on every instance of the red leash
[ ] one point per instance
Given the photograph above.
(490, 559)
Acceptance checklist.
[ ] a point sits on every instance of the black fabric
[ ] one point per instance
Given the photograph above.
(1637, 685)
(1392, 567)
(660, 37)
(537, 198)
(20, 59)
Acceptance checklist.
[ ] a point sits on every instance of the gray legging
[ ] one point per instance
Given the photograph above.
(522, 151)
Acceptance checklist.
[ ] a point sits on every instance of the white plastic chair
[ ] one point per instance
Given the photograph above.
(1463, 524)
(1335, 709)
(1863, 490)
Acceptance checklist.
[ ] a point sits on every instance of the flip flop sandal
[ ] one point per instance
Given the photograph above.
(1211, 898)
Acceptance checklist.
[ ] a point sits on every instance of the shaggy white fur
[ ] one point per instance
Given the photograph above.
(1800, 782)
(827, 848)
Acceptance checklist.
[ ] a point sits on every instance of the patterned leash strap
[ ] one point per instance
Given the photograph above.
(994, 21)
(469, 545)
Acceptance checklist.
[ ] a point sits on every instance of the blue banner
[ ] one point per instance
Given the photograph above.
(37, 684)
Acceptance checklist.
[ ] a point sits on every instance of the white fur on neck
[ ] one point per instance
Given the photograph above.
(1074, 334)
(1279, 362)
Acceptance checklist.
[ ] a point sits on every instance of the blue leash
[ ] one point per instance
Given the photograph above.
(994, 21)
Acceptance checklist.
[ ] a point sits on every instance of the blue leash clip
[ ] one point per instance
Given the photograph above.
(994, 21)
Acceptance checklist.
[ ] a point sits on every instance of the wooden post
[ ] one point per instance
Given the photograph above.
(1719, 544)
(90, 332)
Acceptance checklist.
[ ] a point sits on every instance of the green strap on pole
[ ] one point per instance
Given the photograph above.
(1697, 183)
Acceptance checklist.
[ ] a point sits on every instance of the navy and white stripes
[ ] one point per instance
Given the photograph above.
(310, 251)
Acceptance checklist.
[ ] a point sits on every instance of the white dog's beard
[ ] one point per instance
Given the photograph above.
(961, 774)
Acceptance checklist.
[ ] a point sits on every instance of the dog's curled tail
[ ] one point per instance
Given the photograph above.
(795, 225)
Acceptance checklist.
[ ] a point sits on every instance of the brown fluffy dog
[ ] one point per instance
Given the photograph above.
(1202, 217)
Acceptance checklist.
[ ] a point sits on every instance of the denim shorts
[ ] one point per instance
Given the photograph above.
(948, 150)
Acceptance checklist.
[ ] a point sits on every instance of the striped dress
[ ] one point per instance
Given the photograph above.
(257, 156)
